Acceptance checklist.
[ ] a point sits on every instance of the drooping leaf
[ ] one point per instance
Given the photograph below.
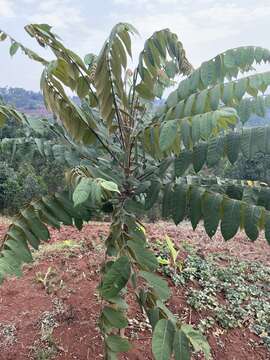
(152, 194)
(195, 204)
(230, 218)
(171, 248)
(252, 215)
(211, 204)
(180, 203)
(168, 202)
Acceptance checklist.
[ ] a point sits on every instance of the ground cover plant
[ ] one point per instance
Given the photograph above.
(131, 154)
(234, 293)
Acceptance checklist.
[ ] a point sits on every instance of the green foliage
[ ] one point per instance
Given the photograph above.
(173, 254)
(19, 187)
(256, 168)
(26, 171)
(125, 155)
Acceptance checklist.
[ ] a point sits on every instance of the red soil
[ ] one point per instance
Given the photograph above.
(73, 302)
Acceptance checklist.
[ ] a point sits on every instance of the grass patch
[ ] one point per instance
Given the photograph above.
(68, 247)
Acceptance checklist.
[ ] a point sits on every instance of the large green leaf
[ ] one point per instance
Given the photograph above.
(116, 278)
(211, 204)
(195, 204)
(82, 191)
(182, 162)
(117, 344)
(162, 342)
(181, 346)
(168, 135)
(37, 226)
(199, 156)
(115, 317)
(109, 185)
(180, 203)
(145, 258)
(214, 151)
(18, 245)
(168, 202)
(232, 146)
(252, 216)
(159, 285)
(230, 218)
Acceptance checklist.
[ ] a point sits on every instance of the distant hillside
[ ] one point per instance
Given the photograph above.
(27, 101)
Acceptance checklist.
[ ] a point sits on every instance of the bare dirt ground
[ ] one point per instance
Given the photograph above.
(52, 311)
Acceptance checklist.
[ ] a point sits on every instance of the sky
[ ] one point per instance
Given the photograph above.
(205, 27)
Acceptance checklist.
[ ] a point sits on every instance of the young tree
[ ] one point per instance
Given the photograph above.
(133, 151)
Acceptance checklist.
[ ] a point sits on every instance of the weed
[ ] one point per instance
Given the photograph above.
(49, 280)
(44, 354)
(7, 334)
(168, 255)
(45, 347)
